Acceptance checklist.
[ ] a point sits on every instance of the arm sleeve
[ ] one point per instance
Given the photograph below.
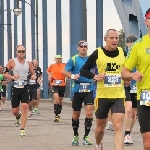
(89, 64)
(131, 58)
(40, 70)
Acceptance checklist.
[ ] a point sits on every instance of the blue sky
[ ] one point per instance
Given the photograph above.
(145, 4)
(111, 20)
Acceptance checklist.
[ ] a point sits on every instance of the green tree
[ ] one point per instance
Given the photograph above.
(121, 39)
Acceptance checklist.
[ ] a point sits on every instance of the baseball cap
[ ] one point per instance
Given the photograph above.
(131, 39)
(58, 56)
(82, 43)
(147, 14)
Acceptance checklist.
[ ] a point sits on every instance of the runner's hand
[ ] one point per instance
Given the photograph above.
(137, 76)
(4, 82)
(76, 77)
(33, 77)
(99, 77)
(15, 77)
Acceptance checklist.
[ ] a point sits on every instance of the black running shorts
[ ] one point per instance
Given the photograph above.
(4, 91)
(143, 117)
(59, 89)
(103, 105)
(32, 92)
(131, 97)
(19, 95)
(79, 98)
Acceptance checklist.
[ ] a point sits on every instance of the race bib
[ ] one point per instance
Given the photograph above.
(112, 80)
(133, 88)
(84, 87)
(32, 82)
(145, 98)
(57, 82)
(19, 84)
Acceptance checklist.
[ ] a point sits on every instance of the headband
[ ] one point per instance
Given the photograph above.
(147, 15)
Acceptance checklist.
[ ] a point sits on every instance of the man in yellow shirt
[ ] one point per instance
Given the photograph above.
(139, 57)
(110, 92)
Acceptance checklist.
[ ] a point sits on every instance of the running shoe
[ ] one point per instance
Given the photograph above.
(100, 148)
(17, 123)
(35, 111)
(86, 141)
(29, 114)
(75, 141)
(57, 119)
(22, 132)
(128, 139)
(109, 127)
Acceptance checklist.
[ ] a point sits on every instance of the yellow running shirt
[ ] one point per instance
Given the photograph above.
(139, 57)
(112, 86)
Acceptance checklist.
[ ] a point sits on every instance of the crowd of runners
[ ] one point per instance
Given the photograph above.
(112, 82)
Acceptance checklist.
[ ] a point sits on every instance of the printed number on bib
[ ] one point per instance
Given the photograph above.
(84, 87)
(57, 82)
(133, 88)
(32, 82)
(113, 80)
(19, 84)
(145, 98)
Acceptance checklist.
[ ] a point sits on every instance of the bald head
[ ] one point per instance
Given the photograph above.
(35, 62)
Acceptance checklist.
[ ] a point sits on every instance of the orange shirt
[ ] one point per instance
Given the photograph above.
(56, 71)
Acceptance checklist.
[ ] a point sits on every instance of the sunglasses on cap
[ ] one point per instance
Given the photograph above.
(21, 51)
(83, 46)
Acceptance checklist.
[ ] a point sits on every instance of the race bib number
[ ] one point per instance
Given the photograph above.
(84, 87)
(32, 82)
(57, 82)
(112, 80)
(145, 98)
(133, 88)
(19, 84)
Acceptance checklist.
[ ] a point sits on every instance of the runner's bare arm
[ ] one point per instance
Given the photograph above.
(8, 67)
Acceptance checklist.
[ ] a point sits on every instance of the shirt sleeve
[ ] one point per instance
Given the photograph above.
(131, 58)
(89, 64)
(49, 68)
(69, 65)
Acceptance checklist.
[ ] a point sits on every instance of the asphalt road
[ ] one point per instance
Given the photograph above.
(43, 134)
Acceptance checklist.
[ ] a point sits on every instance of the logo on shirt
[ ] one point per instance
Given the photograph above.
(112, 67)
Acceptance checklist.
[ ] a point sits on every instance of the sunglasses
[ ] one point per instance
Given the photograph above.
(21, 51)
(83, 46)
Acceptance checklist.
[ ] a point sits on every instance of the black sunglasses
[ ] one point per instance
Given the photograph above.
(21, 51)
(83, 46)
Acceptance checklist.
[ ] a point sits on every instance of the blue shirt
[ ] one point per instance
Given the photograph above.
(133, 82)
(74, 66)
